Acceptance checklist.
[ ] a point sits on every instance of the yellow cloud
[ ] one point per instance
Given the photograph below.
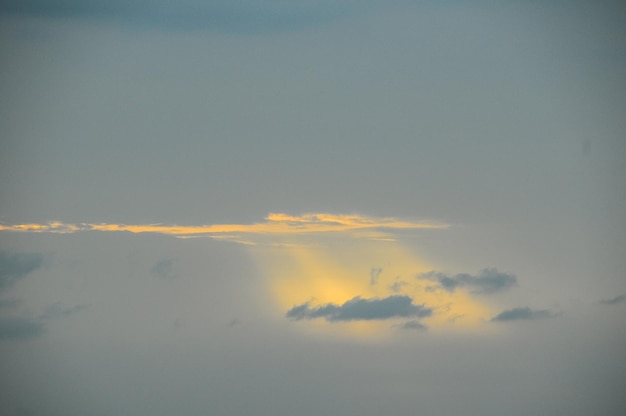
(274, 224)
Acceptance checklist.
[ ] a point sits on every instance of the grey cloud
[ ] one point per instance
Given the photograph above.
(517, 314)
(164, 269)
(412, 325)
(57, 311)
(242, 16)
(14, 266)
(374, 273)
(615, 300)
(489, 280)
(397, 286)
(9, 303)
(357, 309)
(11, 328)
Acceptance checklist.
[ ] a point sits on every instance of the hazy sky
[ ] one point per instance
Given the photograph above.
(312, 208)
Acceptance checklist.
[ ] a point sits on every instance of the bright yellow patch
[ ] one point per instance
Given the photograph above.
(335, 269)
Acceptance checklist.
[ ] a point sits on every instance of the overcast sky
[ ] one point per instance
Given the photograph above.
(312, 208)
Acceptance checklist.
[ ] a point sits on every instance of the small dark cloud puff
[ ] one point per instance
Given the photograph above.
(489, 280)
(20, 328)
(374, 273)
(14, 266)
(397, 286)
(164, 269)
(358, 309)
(615, 300)
(518, 314)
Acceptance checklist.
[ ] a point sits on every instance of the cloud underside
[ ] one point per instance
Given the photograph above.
(274, 224)
(23, 327)
(244, 15)
(487, 281)
(14, 266)
(11, 328)
(614, 301)
(522, 314)
(359, 309)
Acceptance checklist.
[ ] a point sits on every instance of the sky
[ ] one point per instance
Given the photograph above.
(315, 208)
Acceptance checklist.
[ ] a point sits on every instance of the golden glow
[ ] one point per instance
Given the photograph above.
(274, 224)
(335, 270)
(326, 259)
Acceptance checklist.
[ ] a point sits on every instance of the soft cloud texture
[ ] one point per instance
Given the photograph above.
(489, 280)
(14, 266)
(164, 269)
(374, 273)
(358, 309)
(19, 327)
(240, 16)
(274, 224)
(58, 311)
(522, 314)
(615, 300)
(412, 325)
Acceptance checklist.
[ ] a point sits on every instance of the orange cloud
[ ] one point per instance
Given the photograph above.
(274, 224)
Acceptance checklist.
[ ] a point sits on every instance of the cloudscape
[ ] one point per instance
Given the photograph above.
(312, 207)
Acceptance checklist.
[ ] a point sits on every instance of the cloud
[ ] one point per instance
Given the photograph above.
(9, 303)
(374, 273)
(519, 314)
(164, 269)
(615, 300)
(412, 325)
(358, 309)
(14, 266)
(57, 311)
(241, 16)
(487, 281)
(396, 287)
(12, 328)
(274, 224)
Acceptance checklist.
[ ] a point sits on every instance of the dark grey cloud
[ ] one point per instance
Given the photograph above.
(489, 280)
(14, 266)
(241, 16)
(358, 309)
(58, 311)
(615, 300)
(11, 328)
(518, 314)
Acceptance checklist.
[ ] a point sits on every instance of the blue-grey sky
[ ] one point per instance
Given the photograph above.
(276, 208)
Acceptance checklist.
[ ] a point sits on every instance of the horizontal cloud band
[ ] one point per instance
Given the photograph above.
(273, 224)
(358, 309)
(517, 314)
(487, 281)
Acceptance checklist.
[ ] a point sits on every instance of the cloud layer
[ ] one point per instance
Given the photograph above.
(489, 280)
(274, 224)
(518, 314)
(14, 266)
(242, 16)
(17, 327)
(615, 300)
(358, 309)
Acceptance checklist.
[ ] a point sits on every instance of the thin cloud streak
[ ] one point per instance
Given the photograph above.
(274, 224)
